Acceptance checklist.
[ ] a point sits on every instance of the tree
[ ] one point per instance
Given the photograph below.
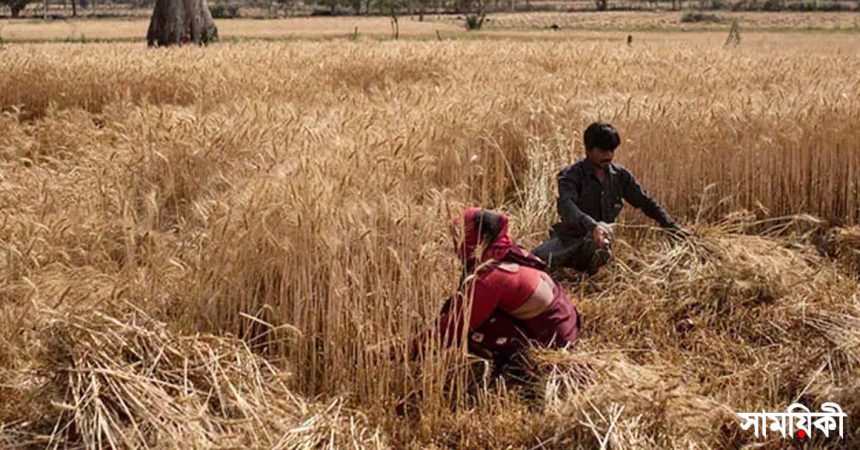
(288, 5)
(16, 6)
(602, 4)
(332, 5)
(393, 8)
(476, 15)
(423, 7)
(177, 22)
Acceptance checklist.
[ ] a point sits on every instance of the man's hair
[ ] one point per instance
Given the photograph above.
(602, 135)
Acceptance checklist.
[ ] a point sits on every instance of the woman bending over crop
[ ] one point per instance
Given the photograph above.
(506, 297)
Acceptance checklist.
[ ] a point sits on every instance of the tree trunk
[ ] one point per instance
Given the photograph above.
(74, 8)
(177, 22)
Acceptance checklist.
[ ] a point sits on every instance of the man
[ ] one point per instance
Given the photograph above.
(506, 298)
(589, 199)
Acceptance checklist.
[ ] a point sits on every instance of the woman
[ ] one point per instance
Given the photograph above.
(506, 296)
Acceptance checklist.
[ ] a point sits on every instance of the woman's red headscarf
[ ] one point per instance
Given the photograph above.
(485, 226)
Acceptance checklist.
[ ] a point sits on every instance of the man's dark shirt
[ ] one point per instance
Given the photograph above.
(583, 200)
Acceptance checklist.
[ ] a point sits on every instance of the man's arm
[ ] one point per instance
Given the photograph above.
(639, 198)
(569, 185)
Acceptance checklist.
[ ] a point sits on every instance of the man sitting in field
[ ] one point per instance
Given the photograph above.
(506, 297)
(589, 199)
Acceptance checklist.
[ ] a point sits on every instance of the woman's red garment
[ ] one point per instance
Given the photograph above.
(513, 299)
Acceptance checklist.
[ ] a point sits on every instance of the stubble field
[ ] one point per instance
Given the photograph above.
(231, 246)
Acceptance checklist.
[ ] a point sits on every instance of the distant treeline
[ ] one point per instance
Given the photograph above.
(277, 8)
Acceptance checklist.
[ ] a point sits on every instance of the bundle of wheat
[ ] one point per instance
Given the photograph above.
(716, 323)
(843, 244)
(129, 382)
(598, 398)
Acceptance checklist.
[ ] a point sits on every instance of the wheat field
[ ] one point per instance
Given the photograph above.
(231, 247)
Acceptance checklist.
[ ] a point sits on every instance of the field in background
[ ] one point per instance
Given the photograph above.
(672, 21)
(305, 27)
(532, 25)
(162, 210)
(251, 9)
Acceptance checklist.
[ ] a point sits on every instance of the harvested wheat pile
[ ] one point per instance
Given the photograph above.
(592, 399)
(843, 244)
(129, 382)
(682, 334)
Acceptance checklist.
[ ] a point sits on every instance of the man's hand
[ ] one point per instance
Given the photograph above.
(677, 233)
(602, 235)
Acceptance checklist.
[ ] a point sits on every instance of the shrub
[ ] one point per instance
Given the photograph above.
(475, 21)
(699, 16)
(224, 11)
(819, 6)
(15, 6)
(772, 5)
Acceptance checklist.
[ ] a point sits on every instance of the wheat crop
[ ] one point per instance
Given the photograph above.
(232, 246)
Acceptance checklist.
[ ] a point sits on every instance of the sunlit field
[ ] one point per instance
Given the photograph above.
(234, 29)
(232, 246)
(601, 25)
(672, 21)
